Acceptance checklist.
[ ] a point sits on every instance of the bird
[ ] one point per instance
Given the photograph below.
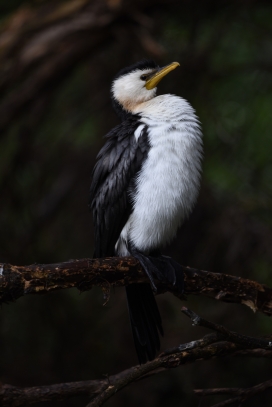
(145, 183)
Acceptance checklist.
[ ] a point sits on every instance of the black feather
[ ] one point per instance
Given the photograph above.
(117, 165)
(145, 320)
(141, 65)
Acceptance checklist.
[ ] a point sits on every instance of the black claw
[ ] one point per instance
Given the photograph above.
(148, 267)
(179, 274)
(164, 270)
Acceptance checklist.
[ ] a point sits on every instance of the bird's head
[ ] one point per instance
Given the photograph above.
(137, 84)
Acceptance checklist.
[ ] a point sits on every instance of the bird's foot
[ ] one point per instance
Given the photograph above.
(163, 268)
(169, 271)
(148, 266)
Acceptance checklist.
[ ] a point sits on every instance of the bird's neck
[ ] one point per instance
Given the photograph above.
(160, 108)
(128, 107)
(164, 108)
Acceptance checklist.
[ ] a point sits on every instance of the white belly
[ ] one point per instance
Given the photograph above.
(168, 183)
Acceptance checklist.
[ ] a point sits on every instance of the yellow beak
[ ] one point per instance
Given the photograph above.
(153, 81)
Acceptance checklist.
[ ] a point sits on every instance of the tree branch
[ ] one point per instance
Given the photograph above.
(103, 389)
(248, 341)
(240, 394)
(49, 40)
(17, 281)
(210, 346)
(15, 396)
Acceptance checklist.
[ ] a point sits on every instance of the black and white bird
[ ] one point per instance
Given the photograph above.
(145, 183)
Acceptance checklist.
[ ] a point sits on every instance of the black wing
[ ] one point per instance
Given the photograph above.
(118, 162)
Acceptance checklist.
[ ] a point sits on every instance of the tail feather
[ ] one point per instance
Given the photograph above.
(145, 321)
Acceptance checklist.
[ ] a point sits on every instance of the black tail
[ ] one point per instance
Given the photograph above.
(145, 321)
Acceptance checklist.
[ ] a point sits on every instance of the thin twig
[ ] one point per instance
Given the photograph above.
(256, 353)
(248, 341)
(242, 394)
(228, 402)
(199, 343)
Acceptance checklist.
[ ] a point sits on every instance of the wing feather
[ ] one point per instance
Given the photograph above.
(118, 163)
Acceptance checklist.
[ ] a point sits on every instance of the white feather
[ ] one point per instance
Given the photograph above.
(130, 89)
(168, 183)
(138, 131)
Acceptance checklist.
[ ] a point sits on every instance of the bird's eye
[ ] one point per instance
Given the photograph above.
(143, 77)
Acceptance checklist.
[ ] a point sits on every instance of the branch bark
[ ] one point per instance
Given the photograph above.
(231, 336)
(103, 389)
(210, 346)
(17, 281)
(240, 394)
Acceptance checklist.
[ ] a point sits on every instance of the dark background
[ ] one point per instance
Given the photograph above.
(57, 60)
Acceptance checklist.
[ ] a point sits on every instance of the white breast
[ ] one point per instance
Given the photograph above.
(168, 183)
